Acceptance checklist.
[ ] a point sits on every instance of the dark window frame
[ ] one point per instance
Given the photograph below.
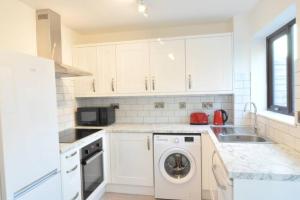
(289, 110)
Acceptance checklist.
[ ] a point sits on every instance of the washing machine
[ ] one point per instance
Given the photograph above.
(177, 166)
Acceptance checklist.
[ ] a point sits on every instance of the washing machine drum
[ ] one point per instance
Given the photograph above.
(177, 166)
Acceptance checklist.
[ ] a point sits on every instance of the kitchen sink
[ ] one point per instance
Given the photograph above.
(238, 135)
(242, 138)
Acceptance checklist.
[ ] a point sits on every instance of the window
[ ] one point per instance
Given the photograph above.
(281, 55)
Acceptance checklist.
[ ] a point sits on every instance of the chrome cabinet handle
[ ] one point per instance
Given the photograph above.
(94, 87)
(71, 155)
(72, 170)
(190, 81)
(112, 84)
(146, 84)
(76, 196)
(215, 176)
(148, 143)
(153, 83)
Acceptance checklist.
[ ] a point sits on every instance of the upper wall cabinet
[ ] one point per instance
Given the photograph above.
(167, 66)
(85, 58)
(132, 68)
(209, 64)
(106, 72)
(187, 65)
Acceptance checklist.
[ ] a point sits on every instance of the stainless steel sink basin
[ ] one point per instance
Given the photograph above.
(242, 138)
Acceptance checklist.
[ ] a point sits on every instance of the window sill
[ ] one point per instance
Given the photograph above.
(286, 119)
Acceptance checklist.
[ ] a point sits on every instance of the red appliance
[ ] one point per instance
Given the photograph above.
(220, 117)
(199, 119)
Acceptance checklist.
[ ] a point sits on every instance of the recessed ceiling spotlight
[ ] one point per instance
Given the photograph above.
(142, 8)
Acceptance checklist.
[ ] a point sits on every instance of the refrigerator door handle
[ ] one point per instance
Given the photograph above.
(18, 194)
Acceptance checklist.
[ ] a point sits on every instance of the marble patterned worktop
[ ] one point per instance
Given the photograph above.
(265, 161)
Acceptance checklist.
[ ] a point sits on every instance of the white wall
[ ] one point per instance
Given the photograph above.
(18, 33)
(265, 12)
(242, 48)
(17, 27)
(159, 32)
(265, 18)
(69, 38)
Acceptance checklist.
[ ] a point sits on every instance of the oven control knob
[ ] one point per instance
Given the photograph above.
(86, 151)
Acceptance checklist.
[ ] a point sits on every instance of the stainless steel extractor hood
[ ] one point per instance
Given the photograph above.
(49, 43)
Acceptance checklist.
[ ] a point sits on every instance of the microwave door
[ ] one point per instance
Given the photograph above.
(88, 117)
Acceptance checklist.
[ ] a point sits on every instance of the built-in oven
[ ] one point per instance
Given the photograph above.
(92, 167)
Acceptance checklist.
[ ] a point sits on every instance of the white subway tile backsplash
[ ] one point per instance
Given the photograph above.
(65, 103)
(142, 109)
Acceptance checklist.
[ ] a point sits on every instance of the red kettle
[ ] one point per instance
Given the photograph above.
(220, 117)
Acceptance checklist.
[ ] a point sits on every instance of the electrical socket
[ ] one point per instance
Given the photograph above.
(207, 105)
(115, 106)
(159, 105)
(182, 105)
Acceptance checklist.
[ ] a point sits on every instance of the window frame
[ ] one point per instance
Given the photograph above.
(289, 109)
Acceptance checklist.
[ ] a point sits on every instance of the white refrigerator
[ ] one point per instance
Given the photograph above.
(29, 140)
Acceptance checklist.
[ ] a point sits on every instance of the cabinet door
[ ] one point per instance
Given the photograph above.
(86, 58)
(107, 69)
(207, 176)
(132, 67)
(209, 64)
(167, 66)
(223, 187)
(132, 159)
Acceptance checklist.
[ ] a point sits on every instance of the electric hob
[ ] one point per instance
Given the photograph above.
(72, 135)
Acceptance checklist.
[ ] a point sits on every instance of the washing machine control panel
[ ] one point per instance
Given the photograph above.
(177, 139)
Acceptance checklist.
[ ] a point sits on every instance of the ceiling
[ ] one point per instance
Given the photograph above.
(90, 16)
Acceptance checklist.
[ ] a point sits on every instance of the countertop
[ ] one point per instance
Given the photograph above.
(241, 160)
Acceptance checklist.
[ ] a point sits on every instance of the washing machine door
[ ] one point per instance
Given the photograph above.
(177, 165)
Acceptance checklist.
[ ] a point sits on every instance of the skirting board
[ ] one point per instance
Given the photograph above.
(98, 193)
(126, 189)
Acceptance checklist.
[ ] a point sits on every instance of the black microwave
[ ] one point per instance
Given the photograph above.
(95, 116)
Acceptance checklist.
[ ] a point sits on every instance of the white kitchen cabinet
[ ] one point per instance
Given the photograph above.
(209, 64)
(85, 58)
(132, 159)
(222, 186)
(214, 175)
(207, 152)
(106, 73)
(70, 173)
(167, 66)
(132, 68)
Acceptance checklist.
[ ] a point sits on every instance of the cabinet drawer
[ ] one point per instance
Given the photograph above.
(71, 191)
(70, 159)
(71, 175)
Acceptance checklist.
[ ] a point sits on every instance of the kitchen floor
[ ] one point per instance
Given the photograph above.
(114, 196)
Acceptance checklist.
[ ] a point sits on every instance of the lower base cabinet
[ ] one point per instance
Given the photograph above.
(70, 174)
(132, 159)
(224, 188)
(221, 184)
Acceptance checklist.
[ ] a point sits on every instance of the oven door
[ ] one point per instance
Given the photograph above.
(87, 116)
(92, 173)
